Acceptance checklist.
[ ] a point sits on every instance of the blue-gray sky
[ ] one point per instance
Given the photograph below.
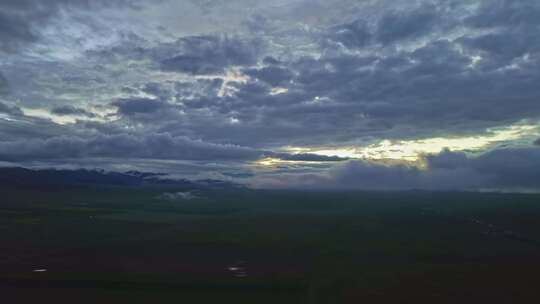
(336, 94)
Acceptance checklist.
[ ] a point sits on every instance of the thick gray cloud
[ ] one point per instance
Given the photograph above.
(401, 25)
(251, 78)
(211, 54)
(356, 34)
(4, 86)
(381, 92)
(21, 21)
(138, 106)
(71, 110)
(113, 144)
(306, 157)
(502, 13)
(273, 75)
(4, 108)
(153, 146)
(504, 169)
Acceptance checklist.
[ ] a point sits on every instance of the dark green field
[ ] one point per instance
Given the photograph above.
(128, 245)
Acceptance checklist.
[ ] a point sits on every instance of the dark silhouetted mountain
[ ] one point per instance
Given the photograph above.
(53, 178)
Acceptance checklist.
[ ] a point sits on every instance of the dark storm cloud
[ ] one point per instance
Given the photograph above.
(356, 34)
(501, 13)
(274, 76)
(537, 142)
(401, 25)
(269, 60)
(430, 86)
(138, 106)
(210, 54)
(4, 86)
(152, 146)
(14, 31)
(157, 90)
(505, 169)
(71, 110)
(434, 87)
(504, 46)
(20, 128)
(4, 108)
(200, 93)
(307, 157)
(323, 73)
(22, 20)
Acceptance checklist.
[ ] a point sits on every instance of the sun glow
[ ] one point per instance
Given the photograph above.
(233, 76)
(42, 113)
(60, 119)
(276, 163)
(278, 90)
(268, 162)
(413, 150)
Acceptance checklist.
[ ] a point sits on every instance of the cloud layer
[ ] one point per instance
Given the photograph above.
(243, 80)
(505, 169)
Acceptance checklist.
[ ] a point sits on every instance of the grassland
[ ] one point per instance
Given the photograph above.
(130, 245)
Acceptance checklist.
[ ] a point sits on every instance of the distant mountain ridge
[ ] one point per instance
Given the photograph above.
(52, 178)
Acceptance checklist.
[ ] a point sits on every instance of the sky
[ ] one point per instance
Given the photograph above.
(281, 94)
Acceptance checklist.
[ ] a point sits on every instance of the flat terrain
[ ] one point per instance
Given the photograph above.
(135, 245)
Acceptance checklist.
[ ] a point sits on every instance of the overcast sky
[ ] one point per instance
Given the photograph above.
(333, 94)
